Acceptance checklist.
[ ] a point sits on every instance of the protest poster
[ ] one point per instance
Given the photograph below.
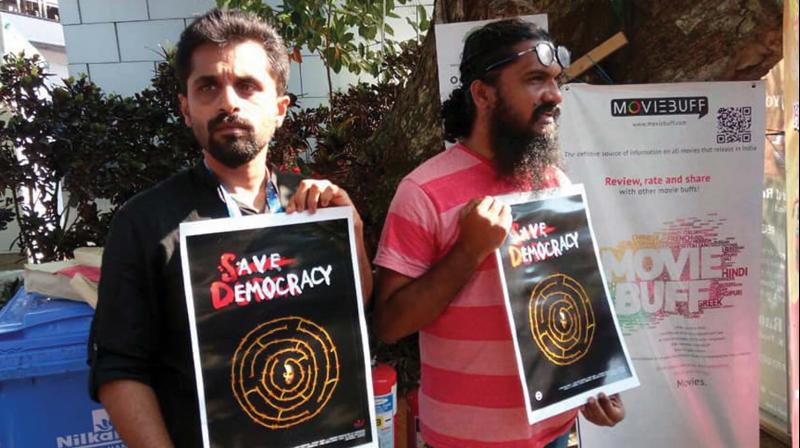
(278, 331)
(567, 341)
(674, 173)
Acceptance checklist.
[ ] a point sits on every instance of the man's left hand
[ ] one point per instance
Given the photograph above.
(312, 194)
(604, 411)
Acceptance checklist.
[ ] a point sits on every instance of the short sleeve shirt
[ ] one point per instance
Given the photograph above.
(470, 395)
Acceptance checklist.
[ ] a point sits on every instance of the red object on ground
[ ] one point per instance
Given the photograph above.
(384, 385)
(413, 435)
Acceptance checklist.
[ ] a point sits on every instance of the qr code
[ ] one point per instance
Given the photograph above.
(734, 124)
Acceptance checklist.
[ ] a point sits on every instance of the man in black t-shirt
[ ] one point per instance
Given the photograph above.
(233, 70)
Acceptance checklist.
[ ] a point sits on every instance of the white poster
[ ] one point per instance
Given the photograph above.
(674, 176)
(449, 43)
(567, 339)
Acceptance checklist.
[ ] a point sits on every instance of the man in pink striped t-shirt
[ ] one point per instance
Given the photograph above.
(436, 275)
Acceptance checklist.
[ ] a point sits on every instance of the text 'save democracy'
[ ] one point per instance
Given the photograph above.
(244, 281)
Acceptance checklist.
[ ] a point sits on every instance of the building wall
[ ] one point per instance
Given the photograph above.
(117, 43)
(36, 29)
(20, 32)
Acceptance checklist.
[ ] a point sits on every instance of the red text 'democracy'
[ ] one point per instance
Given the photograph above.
(264, 277)
(534, 242)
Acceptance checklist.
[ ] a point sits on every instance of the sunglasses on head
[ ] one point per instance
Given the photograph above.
(546, 52)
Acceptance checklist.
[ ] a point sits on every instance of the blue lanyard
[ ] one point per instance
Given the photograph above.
(273, 202)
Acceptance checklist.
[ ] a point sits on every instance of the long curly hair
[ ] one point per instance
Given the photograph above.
(483, 47)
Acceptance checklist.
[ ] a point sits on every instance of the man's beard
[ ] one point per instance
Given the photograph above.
(234, 150)
(521, 155)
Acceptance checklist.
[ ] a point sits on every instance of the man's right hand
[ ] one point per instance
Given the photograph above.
(134, 410)
(404, 305)
(484, 225)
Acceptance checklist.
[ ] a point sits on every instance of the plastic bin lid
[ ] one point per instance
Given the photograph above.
(40, 335)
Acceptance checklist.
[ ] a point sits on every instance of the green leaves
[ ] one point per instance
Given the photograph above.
(367, 32)
(346, 34)
(424, 21)
(101, 148)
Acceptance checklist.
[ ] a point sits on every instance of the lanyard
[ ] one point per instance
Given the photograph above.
(273, 202)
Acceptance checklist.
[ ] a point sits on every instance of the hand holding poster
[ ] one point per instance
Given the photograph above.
(278, 331)
(568, 343)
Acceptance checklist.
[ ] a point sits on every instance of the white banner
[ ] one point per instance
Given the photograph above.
(673, 173)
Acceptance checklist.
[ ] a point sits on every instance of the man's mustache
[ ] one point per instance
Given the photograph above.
(228, 120)
(545, 108)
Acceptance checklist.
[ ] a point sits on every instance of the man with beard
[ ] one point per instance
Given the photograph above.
(436, 274)
(233, 70)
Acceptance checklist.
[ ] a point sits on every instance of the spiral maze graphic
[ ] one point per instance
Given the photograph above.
(561, 318)
(284, 372)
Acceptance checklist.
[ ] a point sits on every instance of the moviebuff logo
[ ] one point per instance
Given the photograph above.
(636, 107)
(102, 434)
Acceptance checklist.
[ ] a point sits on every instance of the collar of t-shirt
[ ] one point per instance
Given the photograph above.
(235, 208)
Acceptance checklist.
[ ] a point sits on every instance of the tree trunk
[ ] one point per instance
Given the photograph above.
(669, 41)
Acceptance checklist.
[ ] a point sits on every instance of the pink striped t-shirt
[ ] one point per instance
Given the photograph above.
(470, 394)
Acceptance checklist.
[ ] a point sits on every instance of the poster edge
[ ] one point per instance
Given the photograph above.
(189, 297)
(362, 323)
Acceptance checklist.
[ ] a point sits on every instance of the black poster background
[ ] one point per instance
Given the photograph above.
(604, 362)
(332, 307)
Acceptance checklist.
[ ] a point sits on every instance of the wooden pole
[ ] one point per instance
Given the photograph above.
(596, 55)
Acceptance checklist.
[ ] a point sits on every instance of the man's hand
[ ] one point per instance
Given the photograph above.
(405, 304)
(312, 194)
(485, 223)
(604, 411)
(134, 410)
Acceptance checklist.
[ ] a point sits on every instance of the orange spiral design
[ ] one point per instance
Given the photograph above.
(561, 319)
(284, 372)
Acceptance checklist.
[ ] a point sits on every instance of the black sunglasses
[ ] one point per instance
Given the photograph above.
(546, 52)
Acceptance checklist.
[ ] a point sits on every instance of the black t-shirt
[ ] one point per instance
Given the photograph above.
(140, 329)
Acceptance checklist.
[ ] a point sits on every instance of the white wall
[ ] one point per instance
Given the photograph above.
(34, 35)
(35, 29)
(116, 43)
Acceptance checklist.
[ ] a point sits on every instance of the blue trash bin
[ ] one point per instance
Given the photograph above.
(44, 400)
